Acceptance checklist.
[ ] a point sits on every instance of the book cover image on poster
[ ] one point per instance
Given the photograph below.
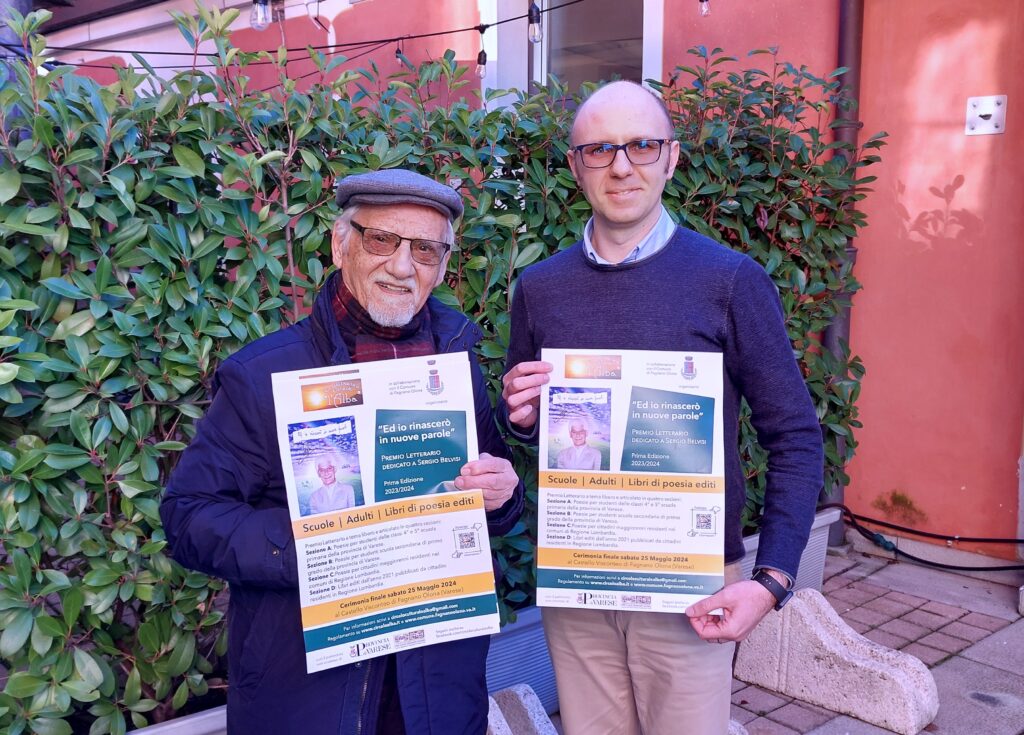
(668, 431)
(579, 428)
(325, 462)
(418, 452)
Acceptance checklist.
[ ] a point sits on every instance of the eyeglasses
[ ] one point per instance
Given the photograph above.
(382, 242)
(639, 152)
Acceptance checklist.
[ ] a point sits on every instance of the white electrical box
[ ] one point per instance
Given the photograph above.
(986, 115)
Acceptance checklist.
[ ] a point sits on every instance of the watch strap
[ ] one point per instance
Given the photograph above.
(778, 590)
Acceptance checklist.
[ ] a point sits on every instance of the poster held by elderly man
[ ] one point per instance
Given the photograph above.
(390, 556)
(631, 480)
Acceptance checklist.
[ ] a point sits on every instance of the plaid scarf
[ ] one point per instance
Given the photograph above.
(366, 340)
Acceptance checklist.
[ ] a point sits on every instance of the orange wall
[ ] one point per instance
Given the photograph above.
(803, 30)
(939, 322)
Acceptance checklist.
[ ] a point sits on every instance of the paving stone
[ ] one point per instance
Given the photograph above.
(758, 700)
(872, 589)
(947, 611)
(888, 640)
(737, 685)
(741, 715)
(836, 583)
(806, 651)
(1002, 650)
(800, 717)
(929, 656)
(848, 726)
(764, 726)
(904, 629)
(925, 619)
(836, 564)
(978, 699)
(944, 642)
(984, 621)
(906, 599)
(967, 593)
(868, 617)
(967, 632)
(889, 607)
(852, 595)
(861, 628)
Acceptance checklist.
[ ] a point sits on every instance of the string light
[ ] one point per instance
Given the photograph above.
(535, 33)
(705, 8)
(481, 58)
(259, 16)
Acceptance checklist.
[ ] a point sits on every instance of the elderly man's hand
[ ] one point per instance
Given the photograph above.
(521, 388)
(743, 605)
(493, 475)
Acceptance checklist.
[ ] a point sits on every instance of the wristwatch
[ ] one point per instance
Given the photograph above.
(779, 592)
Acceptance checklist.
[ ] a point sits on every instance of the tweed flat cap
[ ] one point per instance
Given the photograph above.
(398, 186)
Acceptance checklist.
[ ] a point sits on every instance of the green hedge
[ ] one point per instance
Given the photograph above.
(151, 227)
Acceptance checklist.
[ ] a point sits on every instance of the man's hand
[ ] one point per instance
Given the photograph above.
(521, 391)
(743, 605)
(493, 475)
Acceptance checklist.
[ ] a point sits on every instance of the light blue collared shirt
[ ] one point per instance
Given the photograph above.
(655, 240)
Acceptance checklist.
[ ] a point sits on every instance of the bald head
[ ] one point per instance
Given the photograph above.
(622, 94)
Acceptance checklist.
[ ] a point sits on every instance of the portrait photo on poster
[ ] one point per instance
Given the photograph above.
(579, 428)
(325, 462)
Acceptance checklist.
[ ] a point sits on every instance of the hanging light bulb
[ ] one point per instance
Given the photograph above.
(535, 34)
(259, 16)
(481, 64)
(705, 8)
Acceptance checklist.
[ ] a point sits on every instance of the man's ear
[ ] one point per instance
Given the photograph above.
(673, 156)
(442, 269)
(339, 246)
(572, 165)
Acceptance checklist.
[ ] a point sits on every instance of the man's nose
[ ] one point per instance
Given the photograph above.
(401, 264)
(621, 165)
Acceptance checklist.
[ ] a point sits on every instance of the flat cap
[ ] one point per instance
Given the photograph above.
(398, 186)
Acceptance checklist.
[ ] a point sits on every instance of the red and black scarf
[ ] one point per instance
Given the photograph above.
(366, 340)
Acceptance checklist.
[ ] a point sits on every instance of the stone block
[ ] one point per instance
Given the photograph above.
(496, 724)
(806, 651)
(736, 728)
(523, 711)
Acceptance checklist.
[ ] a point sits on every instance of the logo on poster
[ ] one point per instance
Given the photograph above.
(369, 648)
(434, 384)
(689, 370)
(596, 599)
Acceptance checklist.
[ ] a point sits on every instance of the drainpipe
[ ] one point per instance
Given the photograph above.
(851, 35)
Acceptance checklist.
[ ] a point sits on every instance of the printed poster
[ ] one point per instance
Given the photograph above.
(631, 480)
(390, 555)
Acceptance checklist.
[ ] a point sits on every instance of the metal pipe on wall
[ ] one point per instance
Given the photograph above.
(851, 36)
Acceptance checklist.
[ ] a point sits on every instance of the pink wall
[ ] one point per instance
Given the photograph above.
(803, 30)
(939, 322)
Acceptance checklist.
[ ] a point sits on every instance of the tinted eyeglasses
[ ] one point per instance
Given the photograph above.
(382, 242)
(639, 152)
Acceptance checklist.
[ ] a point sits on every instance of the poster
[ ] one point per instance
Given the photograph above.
(390, 555)
(631, 480)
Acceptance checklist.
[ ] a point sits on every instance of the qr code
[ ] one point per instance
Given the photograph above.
(410, 638)
(704, 521)
(467, 540)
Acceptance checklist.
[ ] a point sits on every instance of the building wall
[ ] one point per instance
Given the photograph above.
(939, 322)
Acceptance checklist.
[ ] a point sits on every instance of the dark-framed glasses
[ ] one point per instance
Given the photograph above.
(382, 242)
(639, 152)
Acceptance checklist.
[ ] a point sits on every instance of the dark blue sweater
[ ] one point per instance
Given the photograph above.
(694, 295)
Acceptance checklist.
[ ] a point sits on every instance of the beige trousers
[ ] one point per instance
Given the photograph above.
(638, 673)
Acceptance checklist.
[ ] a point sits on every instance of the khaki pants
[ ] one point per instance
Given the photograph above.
(638, 673)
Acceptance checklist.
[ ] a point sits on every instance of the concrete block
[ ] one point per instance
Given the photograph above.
(496, 724)
(523, 711)
(806, 651)
(736, 728)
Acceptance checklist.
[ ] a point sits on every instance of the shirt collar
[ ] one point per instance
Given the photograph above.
(654, 241)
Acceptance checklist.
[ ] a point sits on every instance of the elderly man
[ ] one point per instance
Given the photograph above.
(637, 281)
(331, 495)
(580, 456)
(225, 510)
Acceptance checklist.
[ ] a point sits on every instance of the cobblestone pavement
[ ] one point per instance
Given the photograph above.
(967, 631)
